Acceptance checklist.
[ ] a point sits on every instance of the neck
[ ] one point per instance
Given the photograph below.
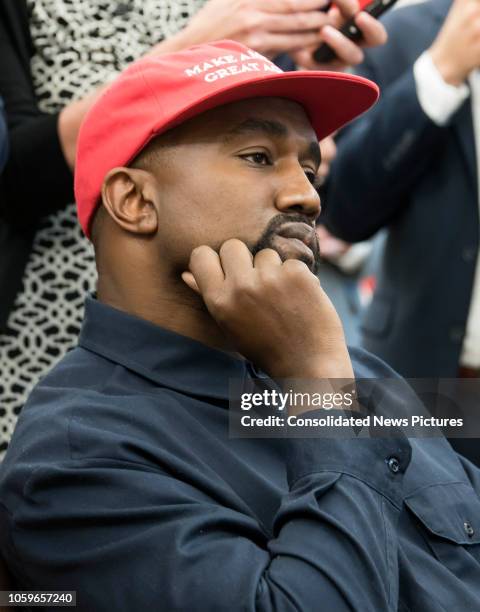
(161, 298)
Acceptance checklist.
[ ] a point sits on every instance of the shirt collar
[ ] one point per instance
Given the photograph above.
(164, 357)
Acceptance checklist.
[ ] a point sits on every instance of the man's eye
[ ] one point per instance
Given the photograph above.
(312, 177)
(261, 159)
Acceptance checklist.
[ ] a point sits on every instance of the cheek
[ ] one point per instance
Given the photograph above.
(201, 211)
(226, 212)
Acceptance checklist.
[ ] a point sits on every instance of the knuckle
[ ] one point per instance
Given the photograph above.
(257, 41)
(244, 288)
(288, 5)
(220, 306)
(295, 268)
(217, 301)
(303, 21)
(252, 20)
(270, 279)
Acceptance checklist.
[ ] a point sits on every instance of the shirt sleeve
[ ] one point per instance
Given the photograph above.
(438, 99)
(126, 536)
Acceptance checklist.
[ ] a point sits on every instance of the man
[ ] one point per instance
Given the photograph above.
(39, 73)
(194, 180)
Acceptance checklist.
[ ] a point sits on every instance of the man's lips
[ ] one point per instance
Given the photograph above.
(300, 231)
(298, 239)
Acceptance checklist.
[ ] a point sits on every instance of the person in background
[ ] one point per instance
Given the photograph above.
(57, 55)
(417, 175)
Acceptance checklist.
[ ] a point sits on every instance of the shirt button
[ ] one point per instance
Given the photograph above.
(469, 530)
(393, 464)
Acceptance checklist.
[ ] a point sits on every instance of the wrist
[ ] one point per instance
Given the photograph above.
(333, 369)
(338, 392)
(448, 70)
(324, 367)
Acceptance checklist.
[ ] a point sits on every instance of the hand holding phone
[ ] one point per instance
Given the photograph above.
(350, 30)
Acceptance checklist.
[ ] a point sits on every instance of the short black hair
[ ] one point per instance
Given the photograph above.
(149, 157)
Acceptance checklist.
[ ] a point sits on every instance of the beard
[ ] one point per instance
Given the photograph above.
(266, 240)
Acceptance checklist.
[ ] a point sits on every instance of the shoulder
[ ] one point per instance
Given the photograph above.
(87, 408)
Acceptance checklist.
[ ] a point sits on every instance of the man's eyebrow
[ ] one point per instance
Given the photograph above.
(252, 125)
(271, 128)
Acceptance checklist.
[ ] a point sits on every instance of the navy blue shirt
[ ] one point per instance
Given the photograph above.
(121, 483)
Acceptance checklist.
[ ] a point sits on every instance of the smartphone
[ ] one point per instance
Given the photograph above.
(325, 54)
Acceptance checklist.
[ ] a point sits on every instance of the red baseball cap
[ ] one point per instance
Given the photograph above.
(157, 93)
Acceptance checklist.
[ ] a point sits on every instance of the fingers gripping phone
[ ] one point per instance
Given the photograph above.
(325, 54)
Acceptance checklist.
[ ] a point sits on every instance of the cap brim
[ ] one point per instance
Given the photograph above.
(331, 99)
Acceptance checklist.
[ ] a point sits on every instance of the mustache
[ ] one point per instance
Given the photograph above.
(265, 240)
(277, 222)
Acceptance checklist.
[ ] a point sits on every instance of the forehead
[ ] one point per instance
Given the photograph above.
(220, 121)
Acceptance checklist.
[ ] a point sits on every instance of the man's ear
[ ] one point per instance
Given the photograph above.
(129, 196)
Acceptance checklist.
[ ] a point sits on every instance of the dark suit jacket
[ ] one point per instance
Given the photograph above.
(397, 169)
(36, 179)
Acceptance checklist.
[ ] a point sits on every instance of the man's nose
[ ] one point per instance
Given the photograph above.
(297, 194)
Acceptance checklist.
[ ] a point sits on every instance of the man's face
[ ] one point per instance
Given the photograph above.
(245, 170)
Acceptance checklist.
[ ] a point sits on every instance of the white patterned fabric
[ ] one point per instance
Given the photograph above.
(79, 45)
